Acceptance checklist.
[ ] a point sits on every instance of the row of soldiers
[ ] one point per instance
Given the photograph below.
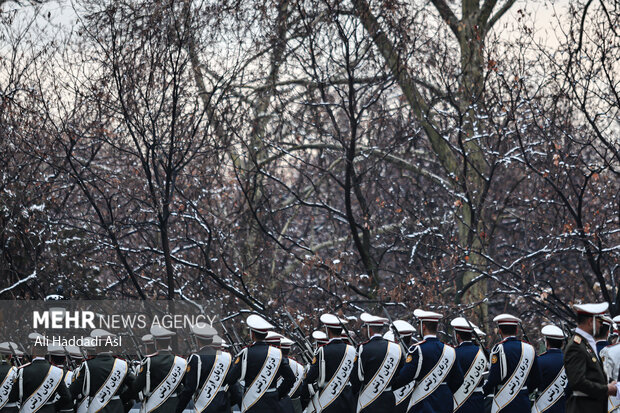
(390, 372)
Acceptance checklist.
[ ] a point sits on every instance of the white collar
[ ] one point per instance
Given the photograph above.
(588, 338)
(430, 336)
(334, 338)
(38, 358)
(376, 335)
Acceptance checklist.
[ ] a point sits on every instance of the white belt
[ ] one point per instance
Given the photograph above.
(479, 390)
(14, 404)
(272, 390)
(578, 393)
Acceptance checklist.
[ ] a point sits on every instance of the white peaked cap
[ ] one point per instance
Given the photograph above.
(479, 332)
(5, 348)
(319, 336)
(204, 331)
(273, 338)
(552, 331)
(591, 308)
(34, 336)
(54, 350)
(101, 333)
(461, 324)
(616, 319)
(161, 332)
(258, 324)
(372, 320)
(331, 320)
(423, 315)
(286, 343)
(217, 341)
(506, 319)
(74, 352)
(147, 339)
(389, 336)
(404, 328)
(606, 320)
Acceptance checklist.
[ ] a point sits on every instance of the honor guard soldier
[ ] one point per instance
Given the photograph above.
(102, 383)
(148, 344)
(260, 366)
(291, 403)
(405, 331)
(602, 336)
(378, 364)
(552, 398)
(432, 364)
(58, 358)
(514, 372)
(9, 393)
(319, 338)
(160, 375)
(469, 398)
(208, 375)
(41, 385)
(585, 372)
(330, 371)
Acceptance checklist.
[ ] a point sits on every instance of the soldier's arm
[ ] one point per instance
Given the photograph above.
(236, 394)
(65, 402)
(288, 376)
(140, 381)
(534, 380)
(495, 373)
(189, 383)
(409, 370)
(77, 382)
(355, 380)
(127, 393)
(575, 363)
(455, 377)
(234, 375)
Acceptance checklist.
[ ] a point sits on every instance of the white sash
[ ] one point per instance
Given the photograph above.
(213, 383)
(263, 379)
(339, 380)
(400, 395)
(612, 404)
(513, 386)
(552, 393)
(68, 378)
(382, 377)
(298, 370)
(45, 391)
(471, 381)
(434, 377)
(164, 390)
(6, 385)
(109, 388)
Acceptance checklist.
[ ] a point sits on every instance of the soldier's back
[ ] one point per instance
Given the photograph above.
(465, 355)
(10, 399)
(154, 371)
(54, 393)
(371, 359)
(550, 364)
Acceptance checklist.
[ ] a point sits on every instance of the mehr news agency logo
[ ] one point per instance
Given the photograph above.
(59, 319)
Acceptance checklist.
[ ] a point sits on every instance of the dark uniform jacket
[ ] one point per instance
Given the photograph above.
(586, 377)
(256, 356)
(221, 401)
(466, 352)
(440, 400)
(333, 352)
(512, 350)
(33, 375)
(160, 365)
(372, 355)
(100, 367)
(551, 363)
(14, 395)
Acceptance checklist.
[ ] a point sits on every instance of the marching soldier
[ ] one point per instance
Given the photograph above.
(469, 398)
(41, 385)
(585, 372)
(58, 358)
(102, 383)
(405, 331)
(149, 345)
(291, 403)
(208, 375)
(514, 372)
(260, 366)
(320, 338)
(9, 393)
(331, 370)
(602, 336)
(160, 375)
(552, 398)
(432, 364)
(378, 364)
